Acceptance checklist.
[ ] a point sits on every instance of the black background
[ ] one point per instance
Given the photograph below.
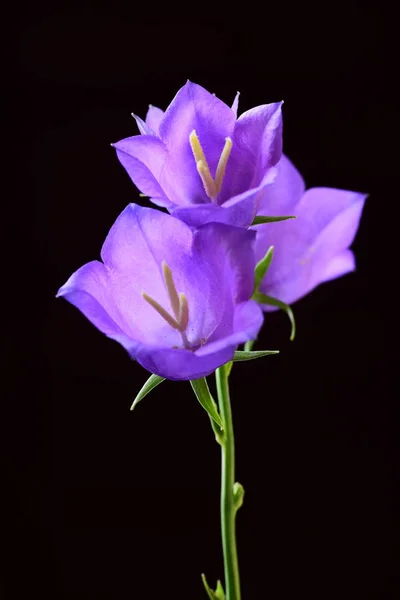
(103, 503)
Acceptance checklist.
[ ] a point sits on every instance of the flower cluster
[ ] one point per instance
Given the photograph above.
(176, 290)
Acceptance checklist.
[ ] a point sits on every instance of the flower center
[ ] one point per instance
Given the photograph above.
(212, 186)
(179, 305)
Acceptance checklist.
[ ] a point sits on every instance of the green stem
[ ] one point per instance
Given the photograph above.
(228, 509)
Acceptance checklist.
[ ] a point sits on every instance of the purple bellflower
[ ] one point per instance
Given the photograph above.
(201, 162)
(177, 300)
(314, 247)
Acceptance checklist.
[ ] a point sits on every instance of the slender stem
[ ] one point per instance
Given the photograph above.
(228, 509)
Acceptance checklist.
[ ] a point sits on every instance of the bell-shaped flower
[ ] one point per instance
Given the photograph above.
(178, 300)
(200, 161)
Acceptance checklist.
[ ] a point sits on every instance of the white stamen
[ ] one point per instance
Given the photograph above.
(223, 161)
(179, 306)
(161, 311)
(206, 178)
(171, 289)
(183, 312)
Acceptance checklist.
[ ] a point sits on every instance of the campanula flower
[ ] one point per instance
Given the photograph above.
(200, 161)
(178, 300)
(312, 248)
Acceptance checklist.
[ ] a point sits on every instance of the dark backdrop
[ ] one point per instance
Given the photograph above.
(103, 503)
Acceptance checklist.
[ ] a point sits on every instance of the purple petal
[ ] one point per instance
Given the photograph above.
(245, 206)
(238, 211)
(259, 131)
(248, 320)
(339, 265)
(283, 195)
(154, 117)
(313, 248)
(199, 214)
(144, 158)
(193, 108)
(179, 364)
(87, 289)
(229, 252)
(235, 104)
(142, 126)
(140, 240)
(112, 301)
(257, 145)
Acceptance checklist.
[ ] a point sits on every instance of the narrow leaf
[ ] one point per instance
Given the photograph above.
(260, 219)
(264, 299)
(241, 355)
(262, 267)
(229, 366)
(211, 594)
(200, 388)
(150, 384)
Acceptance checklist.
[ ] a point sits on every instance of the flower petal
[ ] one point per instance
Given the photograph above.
(144, 157)
(142, 126)
(154, 117)
(235, 104)
(87, 289)
(238, 211)
(193, 108)
(257, 145)
(229, 251)
(284, 194)
(140, 240)
(248, 320)
(312, 248)
(260, 131)
(179, 364)
(339, 265)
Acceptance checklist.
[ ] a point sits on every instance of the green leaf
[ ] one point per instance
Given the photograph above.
(200, 388)
(241, 355)
(238, 495)
(264, 299)
(262, 267)
(219, 593)
(260, 219)
(249, 345)
(209, 591)
(150, 384)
